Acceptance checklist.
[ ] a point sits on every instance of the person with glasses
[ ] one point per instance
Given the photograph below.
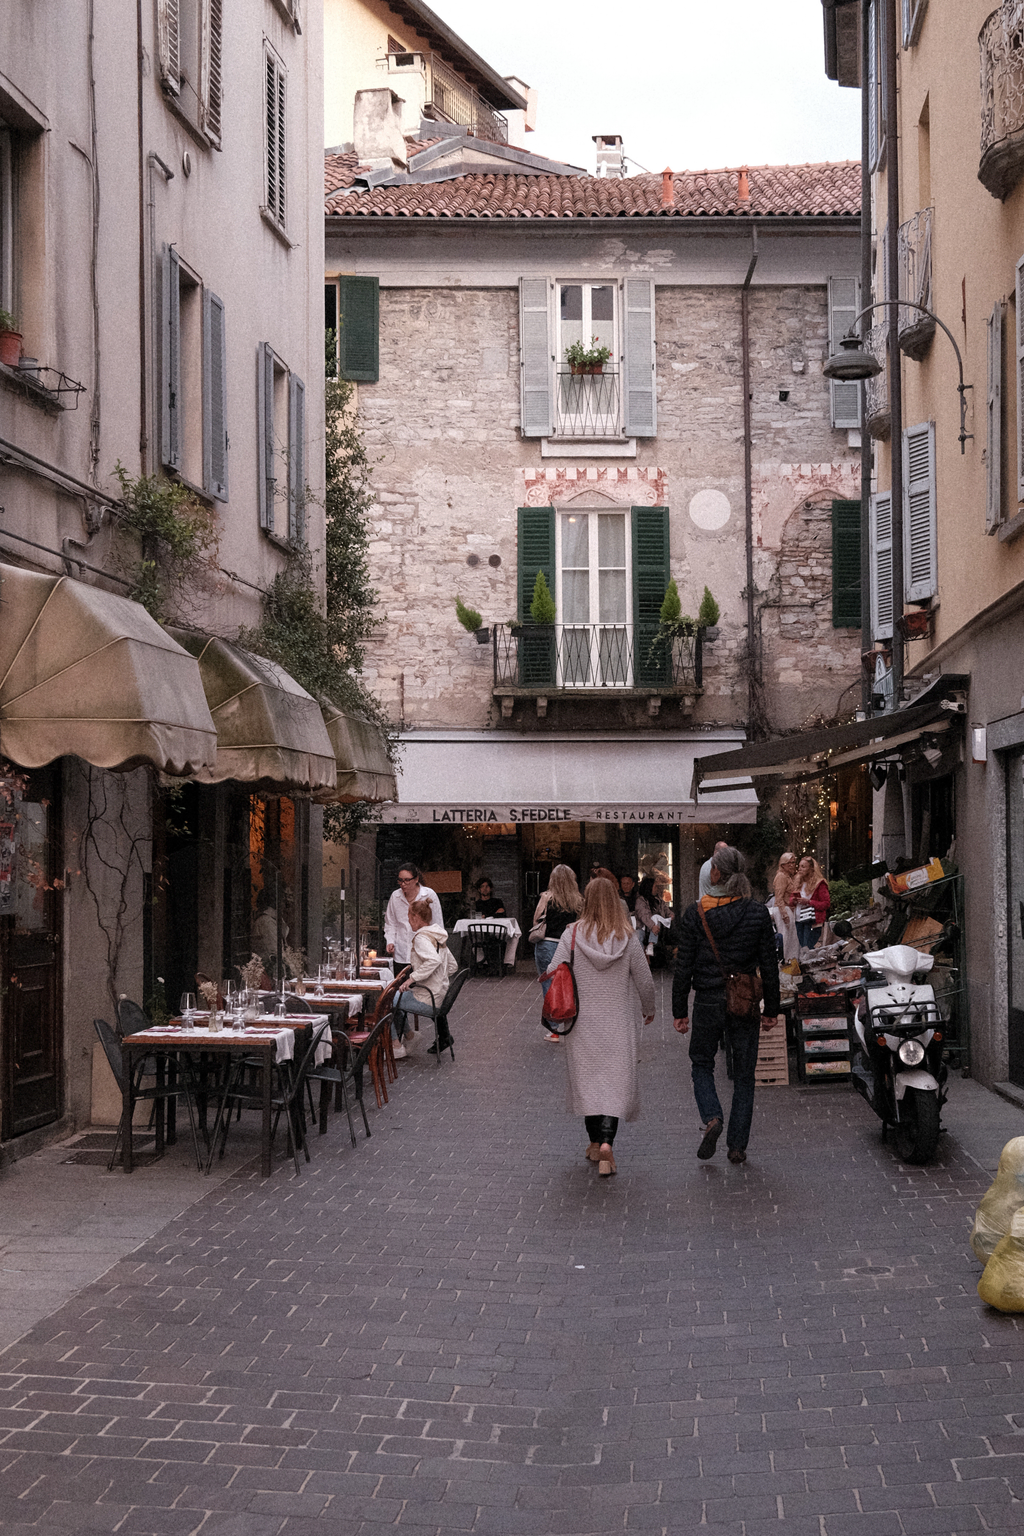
(398, 933)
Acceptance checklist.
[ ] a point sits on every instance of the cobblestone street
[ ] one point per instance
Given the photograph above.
(458, 1326)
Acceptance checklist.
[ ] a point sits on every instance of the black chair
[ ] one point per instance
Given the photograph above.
(130, 1018)
(487, 947)
(347, 1071)
(286, 1100)
(439, 1013)
(111, 1043)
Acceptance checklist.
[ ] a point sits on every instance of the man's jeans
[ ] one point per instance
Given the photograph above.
(709, 1025)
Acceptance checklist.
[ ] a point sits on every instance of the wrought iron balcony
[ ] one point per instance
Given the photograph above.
(588, 404)
(448, 97)
(914, 243)
(876, 390)
(595, 658)
(1002, 99)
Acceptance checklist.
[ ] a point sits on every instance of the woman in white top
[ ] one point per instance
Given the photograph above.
(397, 932)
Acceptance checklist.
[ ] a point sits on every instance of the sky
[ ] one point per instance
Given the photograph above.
(687, 83)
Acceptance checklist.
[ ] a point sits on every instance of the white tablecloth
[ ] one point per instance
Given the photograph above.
(512, 929)
(284, 1039)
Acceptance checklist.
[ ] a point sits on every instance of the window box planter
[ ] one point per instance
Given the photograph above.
(10, 348)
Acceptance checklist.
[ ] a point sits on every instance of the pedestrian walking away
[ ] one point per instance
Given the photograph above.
(742, 933)
(555, 910)
(616, 995)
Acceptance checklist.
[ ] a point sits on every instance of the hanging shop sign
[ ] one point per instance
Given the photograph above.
(525, 815)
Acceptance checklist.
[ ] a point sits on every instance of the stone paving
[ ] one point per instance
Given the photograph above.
(458, 1327)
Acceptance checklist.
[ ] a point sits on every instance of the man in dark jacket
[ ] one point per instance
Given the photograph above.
(745, 937)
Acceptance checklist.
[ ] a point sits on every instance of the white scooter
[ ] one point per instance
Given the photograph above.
(899, 1069)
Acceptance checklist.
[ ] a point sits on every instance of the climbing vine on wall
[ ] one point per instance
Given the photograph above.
(174, 543)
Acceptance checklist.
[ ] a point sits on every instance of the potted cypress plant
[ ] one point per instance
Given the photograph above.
(537, 640)
(10, 340)
(708, 615)
(472, 622)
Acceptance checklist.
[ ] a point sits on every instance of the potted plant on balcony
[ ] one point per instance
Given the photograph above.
(10, 340)
(472, 622)
(584, 359)
(708, 615)
(916, 623)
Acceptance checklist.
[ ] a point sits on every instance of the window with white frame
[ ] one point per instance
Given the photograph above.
(190, 51)
(281, 447)
(193, 379)
(274, 126)
(592, 566)
(913, 15)
(566, 396)
(876, 110)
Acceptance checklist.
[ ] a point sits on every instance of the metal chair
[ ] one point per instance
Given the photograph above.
(442, 1034)
(487, 947)
(286, 1100)
(111, 1043)
(130, 1018)
(347, 1072)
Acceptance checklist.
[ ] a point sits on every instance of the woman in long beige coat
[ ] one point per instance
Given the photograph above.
(615, 991)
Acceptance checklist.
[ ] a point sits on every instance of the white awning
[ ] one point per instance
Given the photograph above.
(504, 776)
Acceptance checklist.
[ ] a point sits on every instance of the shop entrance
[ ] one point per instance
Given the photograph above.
(1015, 915)
(30, 951)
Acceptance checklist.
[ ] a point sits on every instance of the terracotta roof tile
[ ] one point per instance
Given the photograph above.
(795, 190)
(341, 169)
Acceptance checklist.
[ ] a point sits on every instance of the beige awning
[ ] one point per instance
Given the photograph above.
(364, 769)
(269, 730)
(85, 673)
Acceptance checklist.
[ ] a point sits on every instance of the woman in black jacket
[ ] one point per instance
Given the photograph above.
(745, 938)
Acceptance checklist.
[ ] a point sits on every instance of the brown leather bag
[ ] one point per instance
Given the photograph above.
(743, 992)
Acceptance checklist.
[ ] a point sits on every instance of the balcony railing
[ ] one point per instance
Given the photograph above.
(450, 98)
(587, 404)
(876, 391)
(544, 658)
(914, 243)
(1002, 99)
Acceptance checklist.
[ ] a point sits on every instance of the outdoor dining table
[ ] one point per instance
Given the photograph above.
(270, 1039)
(513, 933)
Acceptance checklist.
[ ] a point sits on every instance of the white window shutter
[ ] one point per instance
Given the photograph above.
(535, 355)
(843, 308)
(276, 165)
(170, 360)
(296, 458)
(641, 411)
(880, 555)
(265, 434)
(212, 82)
(215, 398)
(920, 566)
(994, 422)
(168, 32)
(876, 122)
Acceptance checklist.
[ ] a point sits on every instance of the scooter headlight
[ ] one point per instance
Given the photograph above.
(911, 1053)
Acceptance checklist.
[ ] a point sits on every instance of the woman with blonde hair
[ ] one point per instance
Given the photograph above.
(616, 991)
(812, 901)
(783, 888)
(560, 903)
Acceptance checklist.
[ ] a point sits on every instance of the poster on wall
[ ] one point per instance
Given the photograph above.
(8, 832)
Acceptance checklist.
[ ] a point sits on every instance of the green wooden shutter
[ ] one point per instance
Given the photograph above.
(651, 574)
(535, 552)
(359, 328)
(846, 565)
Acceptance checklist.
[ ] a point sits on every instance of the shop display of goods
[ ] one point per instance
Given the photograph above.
(1002, 1284)
(1001, 1202)
(913, 879)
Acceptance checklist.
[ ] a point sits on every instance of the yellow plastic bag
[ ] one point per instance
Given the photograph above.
(1001, 1202)
(1002, 1284)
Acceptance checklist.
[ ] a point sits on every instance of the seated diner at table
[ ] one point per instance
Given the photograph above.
(433, 966)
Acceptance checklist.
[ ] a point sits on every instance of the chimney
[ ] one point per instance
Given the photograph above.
(377, 129)
(610, 159)
(743, 185)
(668, 190)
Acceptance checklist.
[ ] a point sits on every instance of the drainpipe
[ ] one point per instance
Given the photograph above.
(892, 179)
(754, 712)
(866, 638)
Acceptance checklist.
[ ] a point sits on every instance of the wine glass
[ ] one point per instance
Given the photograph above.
(188, 1006)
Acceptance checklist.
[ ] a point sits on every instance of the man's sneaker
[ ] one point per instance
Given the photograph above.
(712, 1131)
(400, 1051)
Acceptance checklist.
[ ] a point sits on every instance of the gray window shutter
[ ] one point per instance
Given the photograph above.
(536, 357)
(641, 413)
(919, 535)
(170, 361)
(876, 123)
(274, 104)
(843, 308)
(212, 71)
(215, 398)
(265, 485)
(994, 422)
(880, 549)
(296, 457)
(168, 27)
(1020, 379)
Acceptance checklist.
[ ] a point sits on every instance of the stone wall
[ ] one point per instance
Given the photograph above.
(442, 426)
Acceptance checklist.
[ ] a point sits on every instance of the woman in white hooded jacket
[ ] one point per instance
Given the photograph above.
(433, 966)
(615, 991)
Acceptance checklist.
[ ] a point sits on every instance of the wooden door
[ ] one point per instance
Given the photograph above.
(30, 949)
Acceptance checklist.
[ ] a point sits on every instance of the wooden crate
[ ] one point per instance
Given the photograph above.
(772, 1059)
